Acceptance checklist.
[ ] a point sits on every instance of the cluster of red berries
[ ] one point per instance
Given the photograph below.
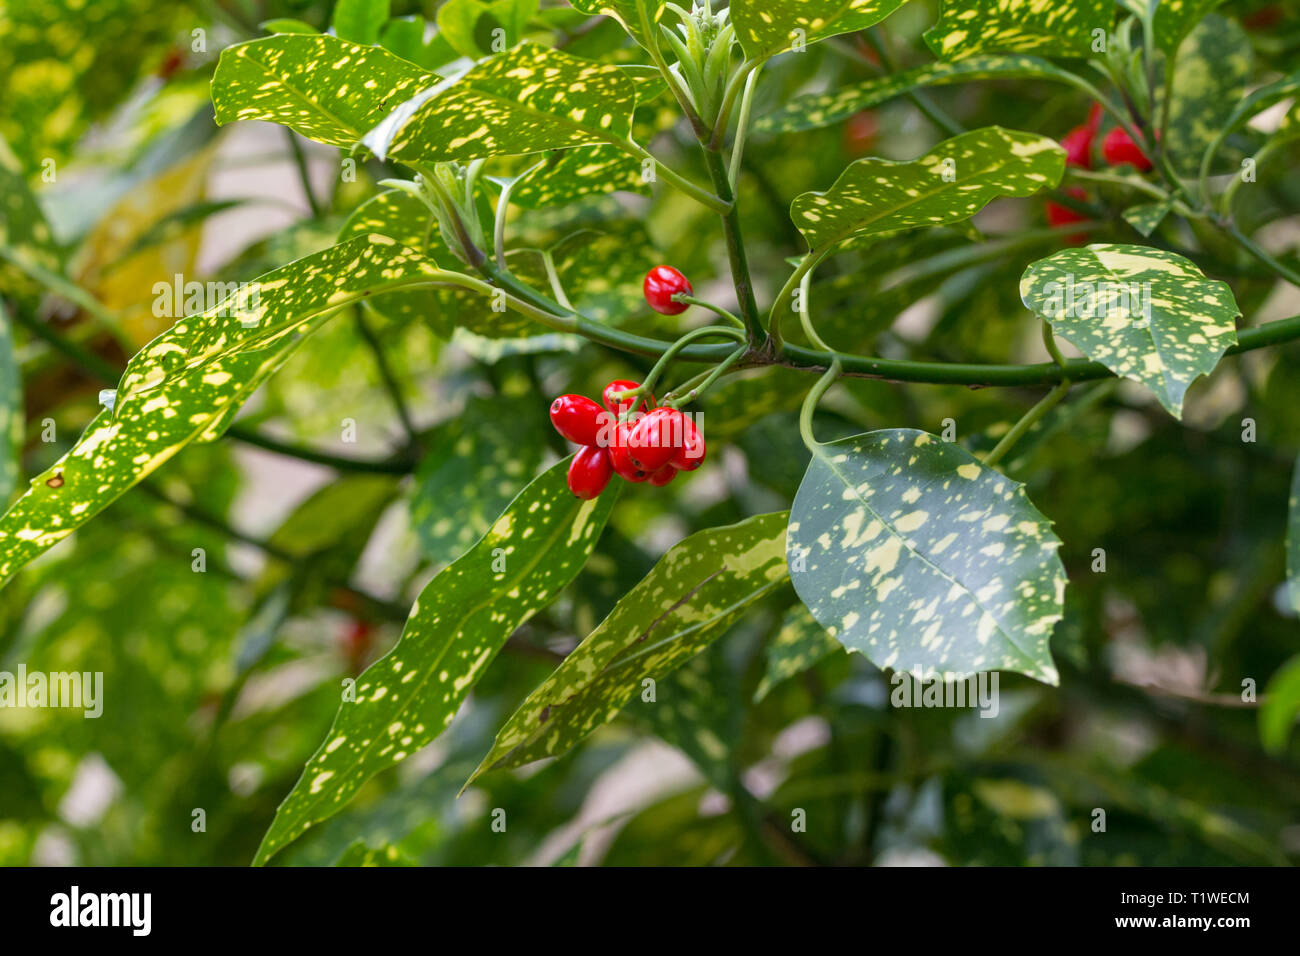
(1117, 148)
(638, 444)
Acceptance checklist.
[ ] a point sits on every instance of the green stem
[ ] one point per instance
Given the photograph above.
(739, 80)
(304, 175)
(386, 375)
(810, 405)
(715, 309)
(1045, 405)
(648, 385)
(1049, 340)
(742, 128)
(503, 207)
(720, 205)
(805, 312)
(775, 315)
(740, 277)
(690, 394)
(656, 55)
(1287, 273)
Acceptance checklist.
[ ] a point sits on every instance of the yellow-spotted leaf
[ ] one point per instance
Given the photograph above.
(800, 644)
(25, 237)
(121, 447)
(1144, 313)
(1145, 217)
(1215, 64)
(1174, 19)
(573, 173)
(526, 100)
(950, 183)
(908, 550)
(328, 89)
(768, 27)
(456, 627)
(1045, 27)
(632, 16)
(11, 410)
(276, 306)
(689, 599)
(822, 109)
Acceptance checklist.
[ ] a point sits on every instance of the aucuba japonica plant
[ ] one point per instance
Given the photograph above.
(920, 299)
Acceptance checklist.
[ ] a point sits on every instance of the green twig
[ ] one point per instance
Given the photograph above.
(1045, 405)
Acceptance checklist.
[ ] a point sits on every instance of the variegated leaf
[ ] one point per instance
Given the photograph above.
(1215, 63)
(910, 551)
(626, 12)
(800, 644)
(1174, 19)
(456, 627)
(1147, 216)
(479, 461)
(1144, 313)
(1018, 26)
(327, 89)
(768, 27)
(696, 591)
(25, 236)
(822, 109)
(276, 306)
(950, 183)
(573, 173)
(526, 100)
(119, 448)
(11, 410)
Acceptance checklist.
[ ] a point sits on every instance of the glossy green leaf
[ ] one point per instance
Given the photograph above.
(908, 550)
(275, 306)
(768, 27)
(525, 100)
(1174, 19)
(328, 89)
(1215, 63)
(471, 26)
(287, 25)
(119, 448)
(570, 174)
(822, 109)
(800, 644)
(626, 12)
(951, 182)
(1255, 102)
(1280, 707)
(1147, 216)
(479, 461)
(25, 236)
(1018, 26)
(359, 20)
(456, 627)
(405, 37)
(11, 410)
(696, 591)
(1144, 313)
(358, 854)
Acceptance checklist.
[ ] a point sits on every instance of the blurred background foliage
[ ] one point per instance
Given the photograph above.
(219, 685)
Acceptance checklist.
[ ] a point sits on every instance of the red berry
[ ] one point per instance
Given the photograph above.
(656, 438)
(577, 418)
(589, 472)
(623, 385)
(357, 640)
(860, 133)
(690, 452)
(1077, 144)
(1063, 215)
(661, 284)
(620, 459)
(1119, 149)
(664, 475)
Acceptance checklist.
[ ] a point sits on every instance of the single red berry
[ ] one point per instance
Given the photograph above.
(656, 438)
(623, 385)
(577, 418)
(664, 475)
(1077, 144)
(860, 133)
(689, 454)
(589, 472)
(620, 459)
(357, 640)
(1058, 215)
(661, 284)
(1119, 149)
